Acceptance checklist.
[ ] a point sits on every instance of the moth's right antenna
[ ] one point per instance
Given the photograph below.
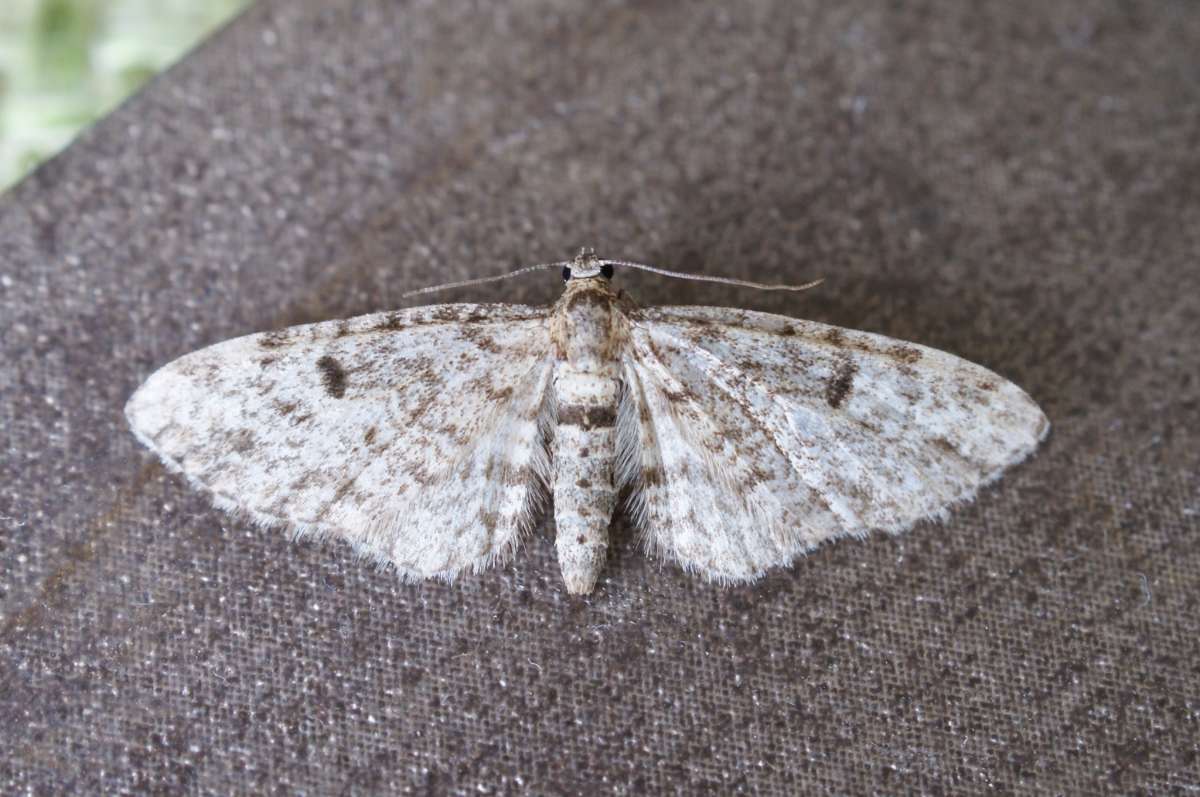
(709, 278)
(480, 280)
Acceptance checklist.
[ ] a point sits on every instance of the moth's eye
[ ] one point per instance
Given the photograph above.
(606, 271)
(566, 273)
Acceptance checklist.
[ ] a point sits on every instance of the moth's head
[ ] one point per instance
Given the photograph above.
(587, 266)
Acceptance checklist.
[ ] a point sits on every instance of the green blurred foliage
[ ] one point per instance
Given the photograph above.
(64, 63)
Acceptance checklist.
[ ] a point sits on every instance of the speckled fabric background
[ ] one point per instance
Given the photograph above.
(1016, 182)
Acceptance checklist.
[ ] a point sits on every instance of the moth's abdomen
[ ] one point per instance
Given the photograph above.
(584, 453)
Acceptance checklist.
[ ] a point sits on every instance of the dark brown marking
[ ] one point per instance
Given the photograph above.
(242, 441)
(835, 337)
(333, 376)
(581, 539)
(265, 361)
(510, 477)
(489, 520)
(840, 384)
(587, 417)
(905, 354)
(455, 433)
(759, 474)
(273, 340)
(390, 324)
(445, 313)
(651, 476)
(674, 396)
(498, 395)
(285, 407)
(584, 452)
(342, 490)
(480, 338)
(987, 385)
(583, 484)
(343, 329)
(369, 437)
(418, 473)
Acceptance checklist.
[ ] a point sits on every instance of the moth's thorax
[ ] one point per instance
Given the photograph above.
(588, 325)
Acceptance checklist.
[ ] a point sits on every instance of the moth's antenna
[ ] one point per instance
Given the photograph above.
(481, 280)
(710, 278)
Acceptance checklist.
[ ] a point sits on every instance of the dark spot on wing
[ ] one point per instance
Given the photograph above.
(455, 433)
(445, 313)
(581, 539)
(265, 361)
(835, 337)
(419, 474)
(489, 520)
(674, 396)
(333, 376)
(841, 382)
(343, 329)
(390, 324)
(759, 474)
(241, 441)
(651, 476)
(369, 437)
(583, 484)
(342, 490)
(905, 354)
(511, 477)
(273, 340)
(481, 338)
(945, 445)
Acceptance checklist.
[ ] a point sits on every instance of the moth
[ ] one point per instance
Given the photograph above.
(430, 438)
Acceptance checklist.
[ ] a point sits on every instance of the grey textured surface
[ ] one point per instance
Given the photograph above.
(1018, 183)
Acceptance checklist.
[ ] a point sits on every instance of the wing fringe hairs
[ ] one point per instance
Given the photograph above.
(430, 439)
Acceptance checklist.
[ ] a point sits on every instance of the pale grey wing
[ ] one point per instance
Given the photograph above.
(415, 435)
(801, 432)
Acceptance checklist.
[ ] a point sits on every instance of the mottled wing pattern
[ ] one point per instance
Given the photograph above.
(419, 436)
(749, 438)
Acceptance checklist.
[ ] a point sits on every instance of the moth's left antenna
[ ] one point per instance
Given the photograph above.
(482, 280)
